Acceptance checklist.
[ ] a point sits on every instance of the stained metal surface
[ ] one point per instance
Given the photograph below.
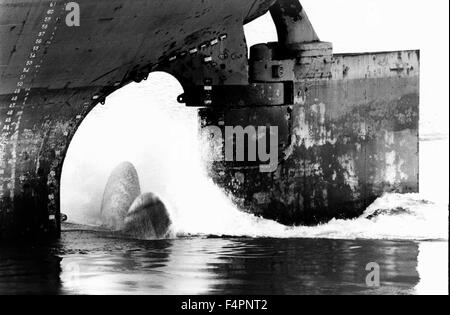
(292, 22)
(345, 141)
(348, 124)
(52, 75)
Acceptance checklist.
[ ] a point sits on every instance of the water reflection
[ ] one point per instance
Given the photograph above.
(29, 270)
(89, 262)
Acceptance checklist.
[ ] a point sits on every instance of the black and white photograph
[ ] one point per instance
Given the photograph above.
(224, 155)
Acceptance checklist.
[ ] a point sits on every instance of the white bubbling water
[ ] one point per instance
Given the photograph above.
(143, 124)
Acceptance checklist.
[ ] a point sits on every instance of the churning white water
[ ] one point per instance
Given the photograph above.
(143, 124)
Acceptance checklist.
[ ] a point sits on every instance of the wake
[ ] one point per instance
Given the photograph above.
(391, 217)
(164, 145)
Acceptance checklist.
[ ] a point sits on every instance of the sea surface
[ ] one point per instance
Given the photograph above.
(404, 236)
(87, 261)
(215, 248)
